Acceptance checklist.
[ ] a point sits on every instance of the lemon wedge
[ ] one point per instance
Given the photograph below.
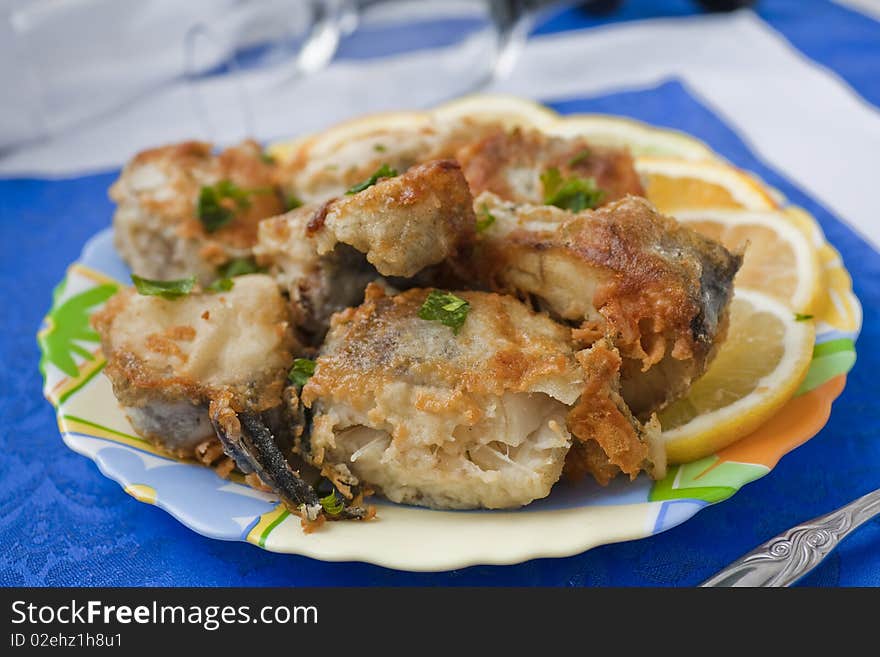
(780, 259)
(757, 369)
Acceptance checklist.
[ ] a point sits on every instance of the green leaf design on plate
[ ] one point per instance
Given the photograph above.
(69, 324)
(705, 480)
(830, 359)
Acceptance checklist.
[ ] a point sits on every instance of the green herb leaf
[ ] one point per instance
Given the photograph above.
(800, 317)
(301, 372)
(165, 289)
(573, 193)
(446, 308)
(379, 148)
(292, 202)
(332, 504)
(221, 285)
(267, 159)
(239, 267)
(486, 220)
(580, 157)
(384, 171)
(212, 212)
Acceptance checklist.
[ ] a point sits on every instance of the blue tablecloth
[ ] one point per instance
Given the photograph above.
(63, 523)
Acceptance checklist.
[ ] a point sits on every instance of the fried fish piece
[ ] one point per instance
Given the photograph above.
(168, 358)
(157, 229)
(325, 255)
(322, 168)
(190, 370)
(610, 440)
(660, 290)
(510, 164)
(428, 416)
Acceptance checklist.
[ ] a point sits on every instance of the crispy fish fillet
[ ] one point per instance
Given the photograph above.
(469, 420)
(322, 168)
(325, 255)
(660, 290)
(317, 174)
(190, 370)
(168, 359)
(157, 230)
(510, 163)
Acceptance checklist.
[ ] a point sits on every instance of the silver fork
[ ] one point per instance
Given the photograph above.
(786, 558)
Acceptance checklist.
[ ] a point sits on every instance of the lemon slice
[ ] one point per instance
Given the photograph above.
(758, 368)
(510, 111)
(354, 130)
(780, 259)
(675, 184)
(641, 139)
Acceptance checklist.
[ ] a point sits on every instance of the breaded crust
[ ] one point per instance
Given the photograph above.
(503, 346)
(659, 290)
(324, 255)
(320, 169)
(195, 348)
(430, 417)
(510, 163)
(157, 228)
(609, 439)
(402, 224)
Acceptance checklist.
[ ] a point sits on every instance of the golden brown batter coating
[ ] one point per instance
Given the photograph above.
(510, 163)
(475, 419)
(157, 228)
(325, 255)
(321, 168)
(167, 358)
(427, 417)
(609, 439)
(402, 224)
(659, 290)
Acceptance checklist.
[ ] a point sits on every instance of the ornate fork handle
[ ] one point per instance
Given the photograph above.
(784, 559)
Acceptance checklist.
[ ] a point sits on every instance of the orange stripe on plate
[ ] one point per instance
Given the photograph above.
(798, 421)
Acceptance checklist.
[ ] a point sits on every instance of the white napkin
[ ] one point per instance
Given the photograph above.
(66, 61)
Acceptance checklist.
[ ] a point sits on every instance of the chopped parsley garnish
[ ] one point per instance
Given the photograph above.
(221, 285)
(580, 157)
(446, 308)
(214, 213)
(165, 289)
(239, 267)
(486, 219)
(383, 171)
(332, 504)
(379, 148)
(267, 158)
(292, 202)
(301, 372)
(800, 317)
(573, 193)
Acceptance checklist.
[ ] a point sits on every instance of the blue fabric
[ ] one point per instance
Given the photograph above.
(63, 523)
